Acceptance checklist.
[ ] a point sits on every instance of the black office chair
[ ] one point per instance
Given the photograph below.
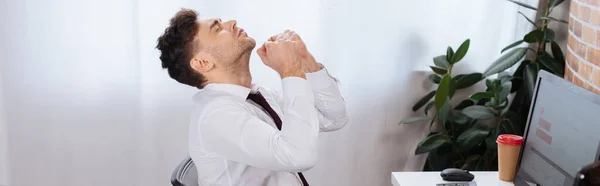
(185, 174)
(588, 175)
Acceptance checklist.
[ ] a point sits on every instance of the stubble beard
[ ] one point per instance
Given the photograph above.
(239, 61)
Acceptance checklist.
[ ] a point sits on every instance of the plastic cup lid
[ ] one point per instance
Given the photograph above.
(509, 139)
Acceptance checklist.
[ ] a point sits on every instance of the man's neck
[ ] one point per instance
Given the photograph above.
(242, 71)
(243, 77)
(238, 74)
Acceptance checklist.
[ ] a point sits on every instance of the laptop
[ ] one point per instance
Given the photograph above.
(562, 134)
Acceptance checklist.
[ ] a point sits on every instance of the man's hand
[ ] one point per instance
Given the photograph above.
(309, 64)
(283, 56)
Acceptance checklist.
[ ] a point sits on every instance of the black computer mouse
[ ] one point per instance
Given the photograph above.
(454, 174)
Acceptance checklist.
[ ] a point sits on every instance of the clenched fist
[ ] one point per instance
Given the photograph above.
(283, 56)
(309, 64)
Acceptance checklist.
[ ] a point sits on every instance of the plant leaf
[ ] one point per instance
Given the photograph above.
(489, 84)
(423, 100)
(459, 117)
(437, 160)
(512, 45)
(523, 4)
(449, 54)
(492, 103)
(503, 94)
(429, 105)
(471, 162)
(481, 95)
(481, 165)
(502, 105)
(471, 138)
(518, 76)
(517, 84)
(497, 85)
(468, 80)
(556, 2)
(508, 126)
(549, 34)
(554, 19)
(490, 143)
(464, 104)
(457, 77)
(435, 78)
(505, 61)
(438, 70)
(557, 53)
(444, 90)
(479, 112)
(530, 21)
(551, 64)
(414, 119)
(432, 142)
(543, 67)
(443, 112)
(431, 122)
(441, 61)
(515, 119)
(505, 78)
(461, 52)
(530, 77)
(534, 36)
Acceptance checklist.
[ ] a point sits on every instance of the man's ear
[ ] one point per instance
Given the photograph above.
(201, 65)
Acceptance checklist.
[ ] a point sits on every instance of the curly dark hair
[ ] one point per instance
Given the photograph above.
(176, 47)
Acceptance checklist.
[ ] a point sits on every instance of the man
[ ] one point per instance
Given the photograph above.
(242, 133)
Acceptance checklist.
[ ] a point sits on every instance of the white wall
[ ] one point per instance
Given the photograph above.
(4, 163)
(71, 86)
(4, 166)
(87, 103)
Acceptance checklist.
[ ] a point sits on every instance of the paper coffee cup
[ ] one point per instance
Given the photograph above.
(509, 147)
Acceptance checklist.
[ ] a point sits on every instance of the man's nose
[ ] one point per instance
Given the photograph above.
(231, 24)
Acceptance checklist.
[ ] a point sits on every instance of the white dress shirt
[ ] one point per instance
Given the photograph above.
(234, 142)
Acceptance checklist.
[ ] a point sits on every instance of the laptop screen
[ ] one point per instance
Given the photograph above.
(563, 133)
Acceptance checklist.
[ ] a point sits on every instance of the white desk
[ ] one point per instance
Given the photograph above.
(433, 178)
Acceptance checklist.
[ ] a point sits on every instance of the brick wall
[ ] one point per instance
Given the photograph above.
(583, 49)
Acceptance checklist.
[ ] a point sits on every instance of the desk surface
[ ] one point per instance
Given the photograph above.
(432, 178)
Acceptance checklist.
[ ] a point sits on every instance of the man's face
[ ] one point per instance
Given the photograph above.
(224, 41)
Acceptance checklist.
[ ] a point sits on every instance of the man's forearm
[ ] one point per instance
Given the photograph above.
(291, 72)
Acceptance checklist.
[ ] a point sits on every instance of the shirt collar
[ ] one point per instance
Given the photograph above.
(235, 90)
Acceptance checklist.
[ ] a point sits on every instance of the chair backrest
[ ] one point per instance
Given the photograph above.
(185, 174)
(589, 175)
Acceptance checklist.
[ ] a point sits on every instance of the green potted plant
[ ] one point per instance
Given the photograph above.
(467, 131)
